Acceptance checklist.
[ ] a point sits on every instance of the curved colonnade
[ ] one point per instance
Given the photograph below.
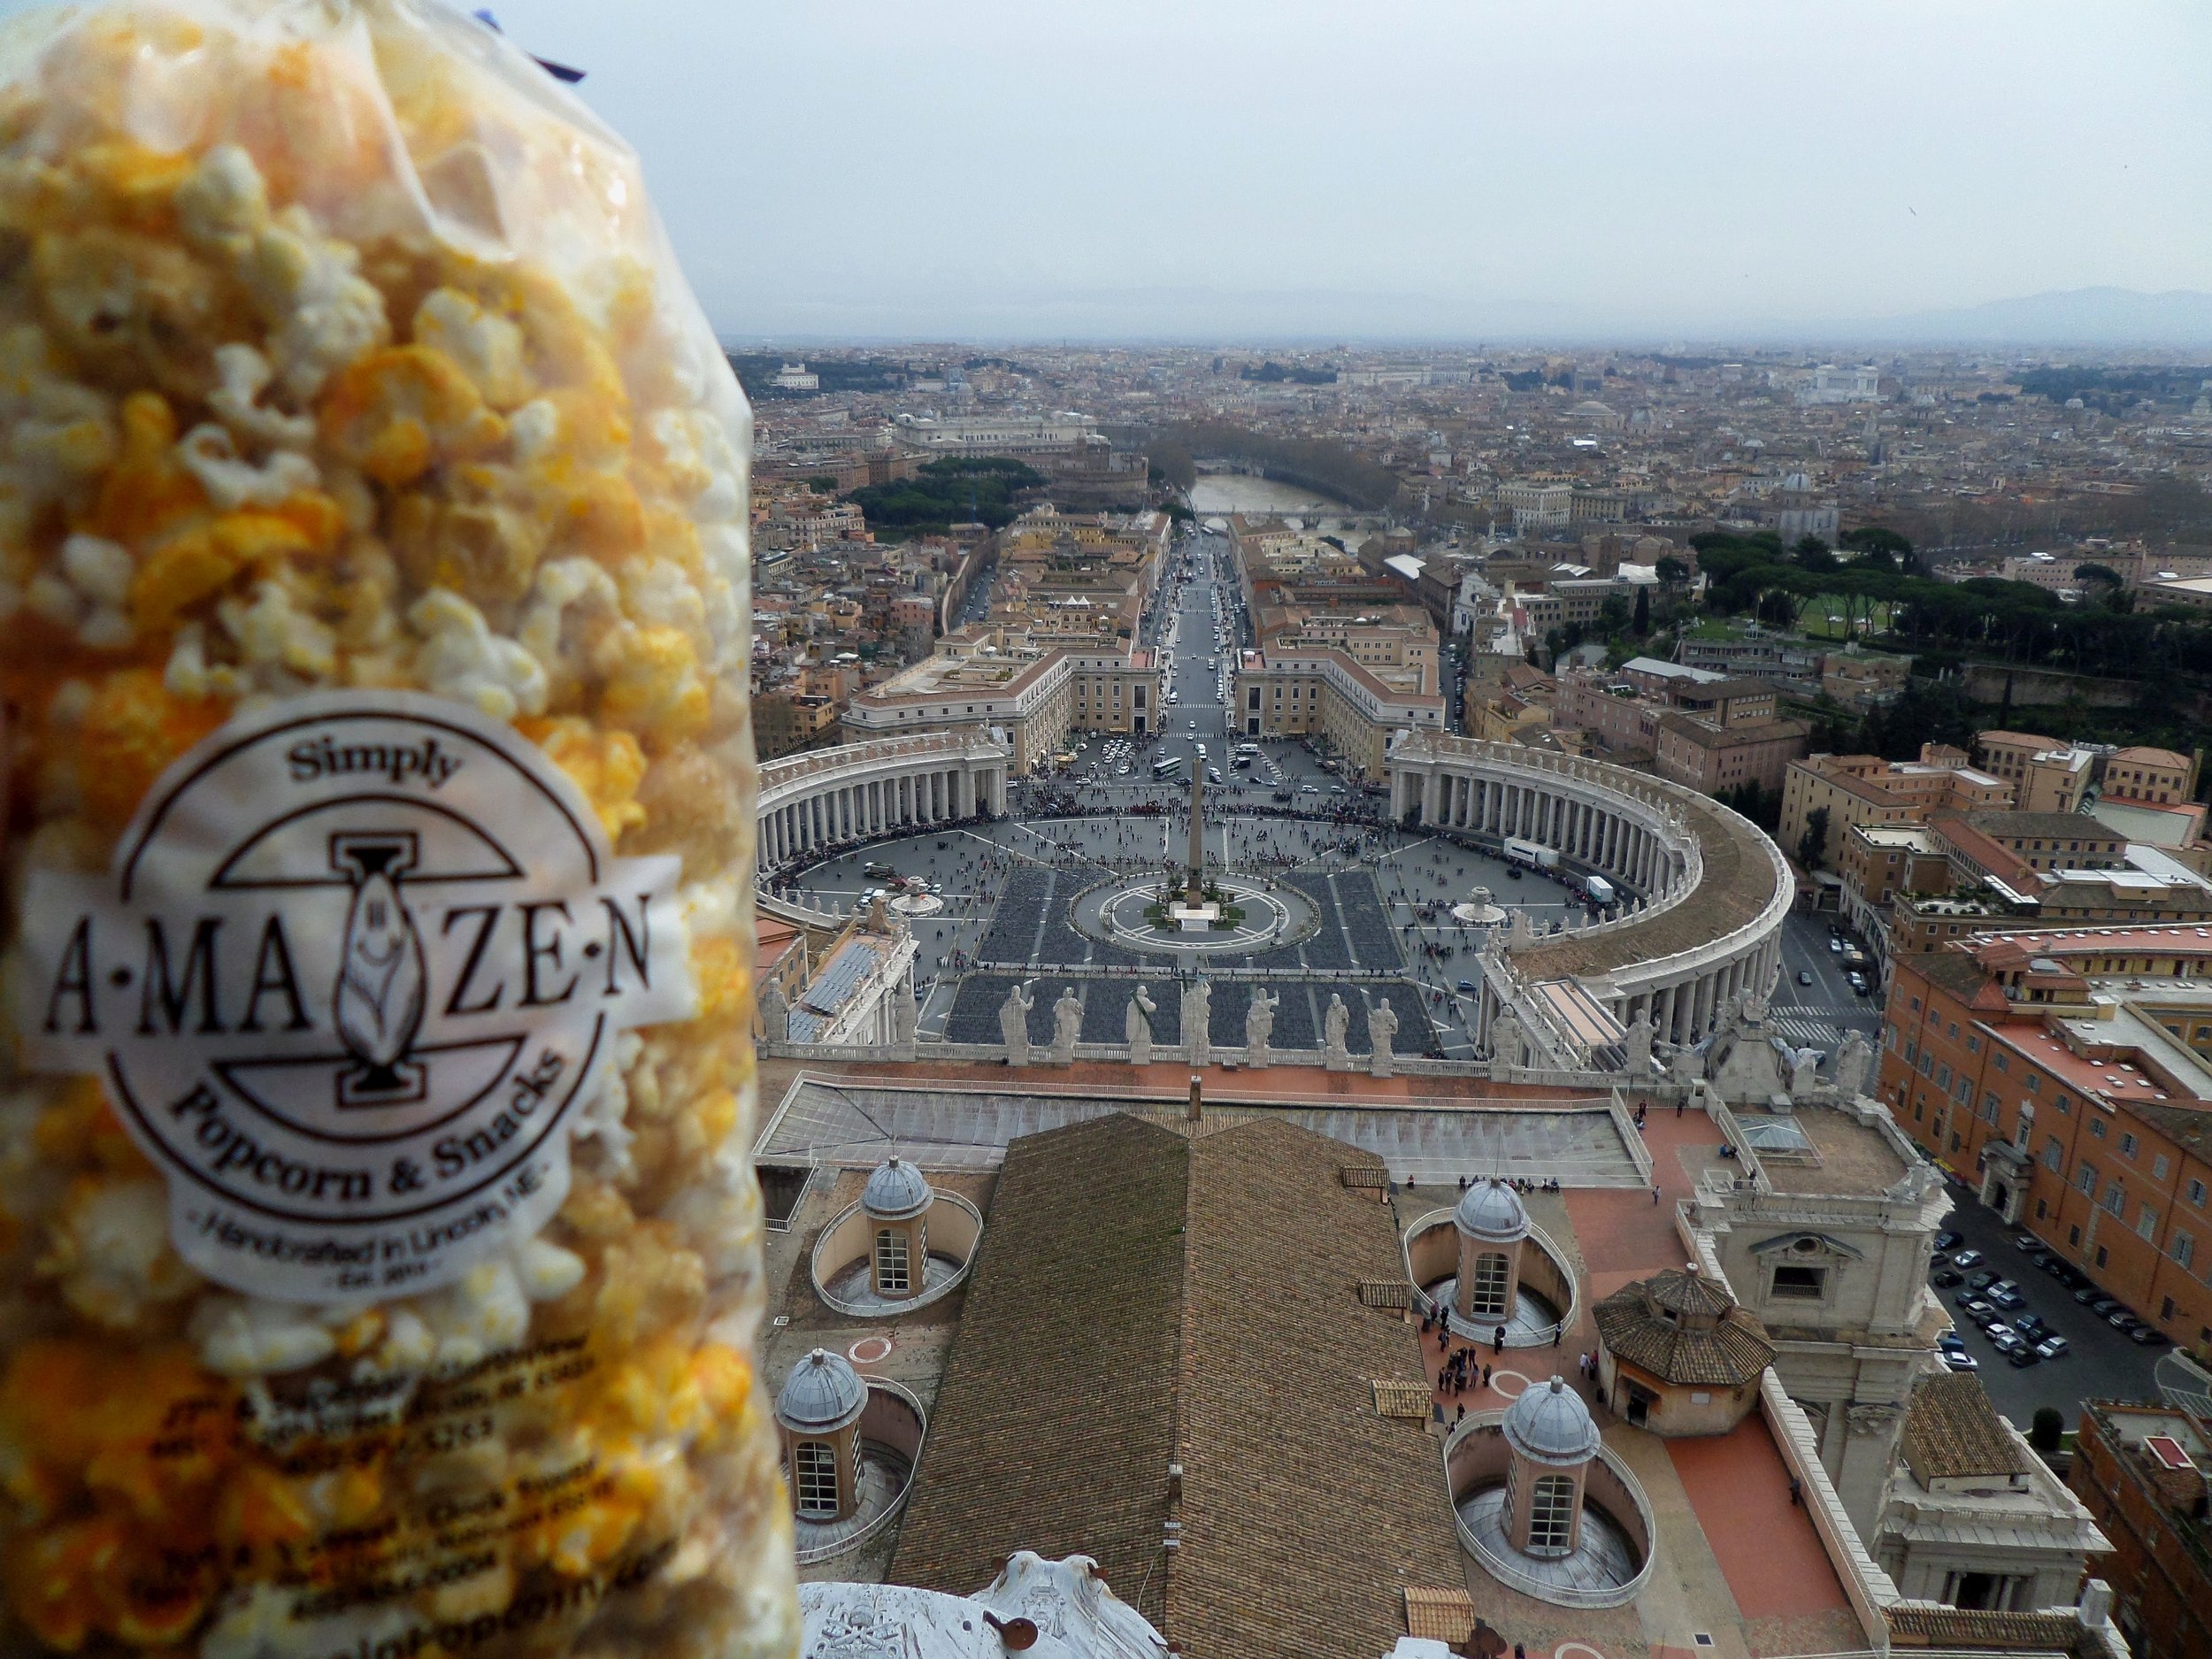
(1714, 889)
(858, 792)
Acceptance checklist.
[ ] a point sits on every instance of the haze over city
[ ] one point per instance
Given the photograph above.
(1450, 171)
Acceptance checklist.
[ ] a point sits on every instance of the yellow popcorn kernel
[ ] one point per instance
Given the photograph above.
(398, 412)
(724, 985)
(261, 1507)
(147, 493)
(133, 308)
(600, 514)
(607, 767)
(723, 1379)
(595, 1210)
(707, 1123)
(54, 1579)
(487, 347)
(198, 563)
(137, 180)
(648, 1283)
(132, 729)
(483, 549)
(652, 683)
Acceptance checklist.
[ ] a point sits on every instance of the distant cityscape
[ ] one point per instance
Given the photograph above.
(1697, 860)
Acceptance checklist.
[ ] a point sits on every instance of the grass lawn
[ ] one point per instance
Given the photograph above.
(1814, 617)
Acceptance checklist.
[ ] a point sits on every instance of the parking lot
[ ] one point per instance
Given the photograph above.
(2102, 1365)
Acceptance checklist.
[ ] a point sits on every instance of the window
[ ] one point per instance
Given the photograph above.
(1487, 1299)
(2065, 1105)
(2127, 1145)
(2002, 1063)
(817, 1478)
(2035, 1084)
(1952, 1030)
(2146, 1222)
(1943, 1077)
(2184, 1250)
(2096, 1128)
(1989, 1108)
(2196, 1193)
(1973, 1045)
(1803, 1284)
(891, 1264)
(2116, 1198)
(2158, 1167)
(2086, 1178)
(1551, 1514)
(2054, 1154)
(2104, 1256)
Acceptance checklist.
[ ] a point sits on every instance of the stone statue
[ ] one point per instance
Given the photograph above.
(1137, 1027)
(1852, 1061)
(1382, 1026)
(1334, 1023)
(1198, 1034)
(1067, 1026)
(1804, 1072)
(1522, 931)
(1754, 1008)
(775, 1014)
(1506, 1050)
(1013, 1025)
(904, 1015)
(1259, 1025)
(1640, 1046)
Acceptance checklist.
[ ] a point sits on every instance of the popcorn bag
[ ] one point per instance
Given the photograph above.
(380, 1255)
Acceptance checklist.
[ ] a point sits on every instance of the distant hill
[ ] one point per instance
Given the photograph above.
(2093, 316)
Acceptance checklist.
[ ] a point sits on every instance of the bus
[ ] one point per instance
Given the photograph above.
(1167, 765)
(1529, 855)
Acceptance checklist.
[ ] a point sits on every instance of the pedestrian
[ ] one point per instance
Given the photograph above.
(1795, 1499)
(1485, 1376)
(1498, 1340)
(1557, 1331)
(1654, 1193)
(1678, 1107)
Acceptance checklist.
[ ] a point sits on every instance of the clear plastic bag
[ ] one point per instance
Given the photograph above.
(378, 1246)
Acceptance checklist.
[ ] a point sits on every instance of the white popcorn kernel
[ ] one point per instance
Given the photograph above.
(482, 1312)
(106, 629)
(189, 673)
(546, 1271)
(460, 658)
(223, 203)
(329, 314)
(54, 599)
(658, 592)
(245, 375)
(245, 1336)
(109, 1250)
(533, 429)
(232, 483)
(487, 346)
(271, 633)
(408, 1345)
(99, 569)
(560, 584)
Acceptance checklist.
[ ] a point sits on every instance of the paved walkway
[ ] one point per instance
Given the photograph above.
(1766, 1544)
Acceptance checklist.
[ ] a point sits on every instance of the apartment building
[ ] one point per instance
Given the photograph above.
(1356, 707)
(1867, 789)
(2140, 1469)
(2069, 1075)
(1030, 692)
(2046, 775)
(2150, 777)
(1711, 754)
(1539, 504)
(785, 721)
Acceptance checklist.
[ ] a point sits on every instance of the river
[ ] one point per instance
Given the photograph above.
(1217, 495)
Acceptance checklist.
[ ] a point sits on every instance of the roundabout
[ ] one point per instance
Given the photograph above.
(1250, 913)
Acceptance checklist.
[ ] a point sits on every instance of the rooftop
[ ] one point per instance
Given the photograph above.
(1952, 1431)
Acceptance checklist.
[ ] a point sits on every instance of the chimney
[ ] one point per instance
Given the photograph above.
(1191, 1112)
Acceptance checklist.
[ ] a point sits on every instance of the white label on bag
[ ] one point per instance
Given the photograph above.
(354, 976)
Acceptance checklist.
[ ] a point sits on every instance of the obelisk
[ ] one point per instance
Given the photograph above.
(1194, 889)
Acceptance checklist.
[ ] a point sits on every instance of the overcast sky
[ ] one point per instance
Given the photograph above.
(1248, 169)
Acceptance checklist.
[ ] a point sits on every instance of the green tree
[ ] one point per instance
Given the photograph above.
(2098, 573)
(1813, 844)
(1613, 615)
(2046, 1429)
(1673, 573)
(1640, 625)
(1874, 538)
(1813, 554)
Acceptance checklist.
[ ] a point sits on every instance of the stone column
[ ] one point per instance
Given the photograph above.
(1429, 782)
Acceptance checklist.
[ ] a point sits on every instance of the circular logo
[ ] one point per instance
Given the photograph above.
(352, 980)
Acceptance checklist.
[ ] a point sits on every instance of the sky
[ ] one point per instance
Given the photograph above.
(1228, 170)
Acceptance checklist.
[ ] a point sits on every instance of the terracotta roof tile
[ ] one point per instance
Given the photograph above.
(1952, 1431)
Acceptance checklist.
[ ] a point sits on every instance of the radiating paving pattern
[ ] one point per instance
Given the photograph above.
(946, 1129)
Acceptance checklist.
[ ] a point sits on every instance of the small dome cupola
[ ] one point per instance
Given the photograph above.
(823, 1395)
(1491, 1211)
(1550, 1426)
(895, 1191)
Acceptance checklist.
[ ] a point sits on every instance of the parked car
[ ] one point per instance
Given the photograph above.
(1984, 1280)
(2003, 1337)
(2121, 1320)
(1946, 1279)
(1965, 1259)
(1803, 978)
(2053, 1348)
(2096, 1301)
(2006, 1295)
(1466, 988)
(2023, 1356)
(1948, 1241)
(2026, 1243)
(1951, 1342)
(1959, 1359)
(2031, 1326)
(1980, 1312)
(2150, 1336)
